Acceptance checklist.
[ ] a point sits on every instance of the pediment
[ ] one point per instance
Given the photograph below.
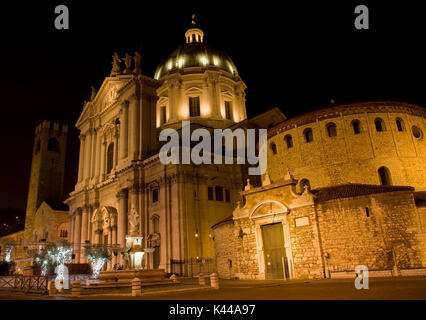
(194, 90)
(267, 208)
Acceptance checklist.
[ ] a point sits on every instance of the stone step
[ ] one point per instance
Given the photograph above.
(125, 284)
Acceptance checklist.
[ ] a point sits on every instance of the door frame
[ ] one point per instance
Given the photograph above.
(259, 221)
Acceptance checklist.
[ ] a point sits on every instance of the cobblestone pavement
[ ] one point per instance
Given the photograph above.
(379, 288)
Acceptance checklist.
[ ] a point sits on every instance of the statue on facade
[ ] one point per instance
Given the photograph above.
(248, 185)
(128, 63)
(134, 221)
(116, 64)
(137, 58)
(93, 93)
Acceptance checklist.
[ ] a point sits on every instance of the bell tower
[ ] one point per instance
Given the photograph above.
(47, 170)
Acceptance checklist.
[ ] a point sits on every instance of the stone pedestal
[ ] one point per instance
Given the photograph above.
(136, 287)
(76, 289)
(214, 281)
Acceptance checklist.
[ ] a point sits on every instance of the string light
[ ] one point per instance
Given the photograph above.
(8, 255)
(97, 264)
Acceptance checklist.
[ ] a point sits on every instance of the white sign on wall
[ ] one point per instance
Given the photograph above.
(303, 221)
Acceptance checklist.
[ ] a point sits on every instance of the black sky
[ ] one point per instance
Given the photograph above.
(293, 56)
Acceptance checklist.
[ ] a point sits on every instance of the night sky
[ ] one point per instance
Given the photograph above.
(294, 56)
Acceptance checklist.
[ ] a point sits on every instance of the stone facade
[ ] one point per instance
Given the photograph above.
(120, 173)
(51, 222)
(47, 170)
(327, 230)
(350, 157)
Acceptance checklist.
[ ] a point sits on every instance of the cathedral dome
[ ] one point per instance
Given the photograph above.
(194, 53)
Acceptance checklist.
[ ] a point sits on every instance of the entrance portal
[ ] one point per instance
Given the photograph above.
(274, 250)
(156, 258)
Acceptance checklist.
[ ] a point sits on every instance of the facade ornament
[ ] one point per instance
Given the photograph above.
(134, 221)
(93, 93)
(266, 180)
(122, 194)
(137, 58)
(128, 63)
(248, 185)
(288, 175)
(116, 64)
(154, 240)
(306, 189)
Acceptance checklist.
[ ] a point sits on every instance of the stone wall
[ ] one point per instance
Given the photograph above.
(305, 244)
(330, 235)
(48, 220)
(246, 249)
(224, 244)
(352, 238)
(349, 157)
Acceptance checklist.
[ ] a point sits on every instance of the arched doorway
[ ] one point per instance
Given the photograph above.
(273, 238)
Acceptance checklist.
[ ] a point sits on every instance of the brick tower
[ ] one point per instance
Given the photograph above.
(47, 170)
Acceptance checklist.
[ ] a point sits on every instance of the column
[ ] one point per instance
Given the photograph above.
(115, 149)
(146, 226)
(87, 154)
(99, 236)
(77, 235)
(110, 263)
(89, 224)
(124, 124)
(84, 225)
(134, 133)
(114, 241)
(70, 228)
(122, 217)
(98, 156)
(93, 157)
(102, 156)
(94, 232)
(81, 158)
(134, 199)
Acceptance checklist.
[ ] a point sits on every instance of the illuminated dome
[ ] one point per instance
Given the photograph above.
(194, 53)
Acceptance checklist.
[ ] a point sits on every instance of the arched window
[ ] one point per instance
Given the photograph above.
(380, 124)
(53, 145)
(356, 126)
(289, 141)
(384, 176)
(155, 195)
(219, 193)
(303, 183)
(417, 132)
(194, 106)
(331, 129)
(400, 124)
(309, 136)
(273, 147)
(110, 157)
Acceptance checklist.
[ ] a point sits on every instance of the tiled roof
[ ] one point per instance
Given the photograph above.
(353, 190)
(335, 111)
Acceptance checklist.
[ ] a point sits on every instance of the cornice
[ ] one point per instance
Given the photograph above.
(345, 110)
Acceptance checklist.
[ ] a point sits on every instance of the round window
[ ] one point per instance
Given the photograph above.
(417, 132)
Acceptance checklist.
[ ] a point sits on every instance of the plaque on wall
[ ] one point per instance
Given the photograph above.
(303, 221)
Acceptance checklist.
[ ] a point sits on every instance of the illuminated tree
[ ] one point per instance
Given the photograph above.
(98, 255)
(53, 255)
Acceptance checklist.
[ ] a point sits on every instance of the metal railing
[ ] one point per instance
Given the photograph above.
(193, 267)
(25, 283)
